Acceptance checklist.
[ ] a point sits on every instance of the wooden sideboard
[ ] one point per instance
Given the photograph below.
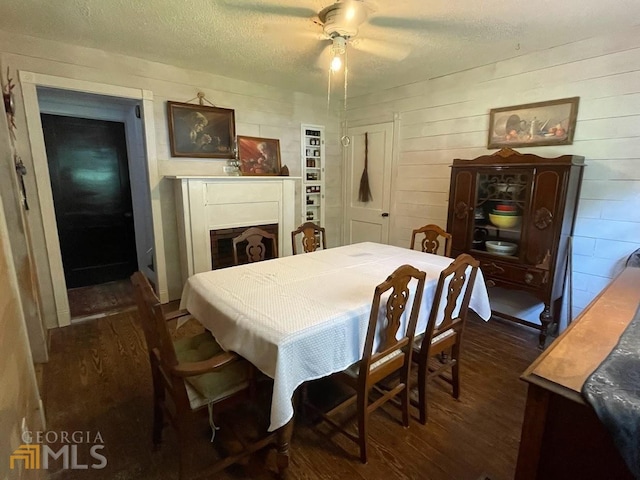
(562, 437)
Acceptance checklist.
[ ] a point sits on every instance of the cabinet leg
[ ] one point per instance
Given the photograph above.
(557, 309)
(545, 320)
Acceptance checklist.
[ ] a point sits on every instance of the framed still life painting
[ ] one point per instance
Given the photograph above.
(534, 124)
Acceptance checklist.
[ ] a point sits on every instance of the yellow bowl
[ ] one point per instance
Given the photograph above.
(505, 221)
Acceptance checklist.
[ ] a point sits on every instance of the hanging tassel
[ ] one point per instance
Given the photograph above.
(364, 193)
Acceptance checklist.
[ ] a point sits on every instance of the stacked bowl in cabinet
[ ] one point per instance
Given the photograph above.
(505, 216)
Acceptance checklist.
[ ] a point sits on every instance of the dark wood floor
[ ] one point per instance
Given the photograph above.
(100, 300)
(98, 379)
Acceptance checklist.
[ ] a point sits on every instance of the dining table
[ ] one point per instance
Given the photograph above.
(303, 317)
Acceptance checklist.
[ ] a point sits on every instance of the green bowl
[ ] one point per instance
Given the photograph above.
(506, 214)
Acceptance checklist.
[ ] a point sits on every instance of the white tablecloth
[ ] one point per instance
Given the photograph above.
(305, 316)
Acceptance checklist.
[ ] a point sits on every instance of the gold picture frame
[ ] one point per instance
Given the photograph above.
(200, 131)
(533, 124)
(259, 156)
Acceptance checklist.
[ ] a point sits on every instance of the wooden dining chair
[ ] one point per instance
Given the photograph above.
(391, 356)
(444, 329)
(258, 243)
(431, 240)
(190, 374)
(313, 237)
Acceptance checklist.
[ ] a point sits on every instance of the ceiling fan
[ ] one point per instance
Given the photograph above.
(340, 23)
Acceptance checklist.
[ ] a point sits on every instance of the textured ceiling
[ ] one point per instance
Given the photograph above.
(276, 42)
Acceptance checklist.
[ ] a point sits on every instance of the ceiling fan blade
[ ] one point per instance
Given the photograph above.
(287, 11)
(404, 23)
(294, 30)
(381, 48)
(466, 29)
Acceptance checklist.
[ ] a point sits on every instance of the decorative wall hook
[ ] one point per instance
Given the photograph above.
(9, 104)
(201, 97)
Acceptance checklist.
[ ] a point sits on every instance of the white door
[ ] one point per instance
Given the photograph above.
(369, 221)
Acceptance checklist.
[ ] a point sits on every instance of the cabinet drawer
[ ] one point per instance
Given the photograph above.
(523, 275)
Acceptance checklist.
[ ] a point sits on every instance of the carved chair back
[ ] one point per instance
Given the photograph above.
(431, 240)
(313, 237)
(256, 248)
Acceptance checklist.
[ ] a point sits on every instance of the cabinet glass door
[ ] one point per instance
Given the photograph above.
(500, 203)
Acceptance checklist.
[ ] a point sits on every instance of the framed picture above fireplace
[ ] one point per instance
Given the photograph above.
(259, 156)
(200, 130)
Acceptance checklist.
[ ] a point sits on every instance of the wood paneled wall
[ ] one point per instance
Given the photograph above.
(440, 119)
(19, 397)
(260, 110)
(447, 117)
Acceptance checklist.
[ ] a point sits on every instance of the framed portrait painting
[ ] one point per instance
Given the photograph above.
(259, 156)
(534, 124)
(200, 130)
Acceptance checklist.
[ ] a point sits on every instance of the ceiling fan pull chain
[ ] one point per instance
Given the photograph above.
(345, 140)
(329, 90)
(346, 81)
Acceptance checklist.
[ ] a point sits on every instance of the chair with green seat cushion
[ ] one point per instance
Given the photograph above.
(196, 348)
(189, 374)
(213, 386)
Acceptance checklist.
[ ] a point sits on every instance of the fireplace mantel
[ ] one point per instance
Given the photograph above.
(211, 203)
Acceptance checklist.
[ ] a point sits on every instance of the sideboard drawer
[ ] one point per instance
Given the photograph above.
(519, 274)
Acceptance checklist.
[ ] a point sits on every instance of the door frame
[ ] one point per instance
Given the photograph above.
(77, 105)
(395, 135)
(29, 82)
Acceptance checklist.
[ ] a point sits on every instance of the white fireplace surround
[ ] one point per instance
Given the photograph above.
(211, 203)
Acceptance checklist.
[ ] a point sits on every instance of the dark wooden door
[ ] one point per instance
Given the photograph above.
(92, 197)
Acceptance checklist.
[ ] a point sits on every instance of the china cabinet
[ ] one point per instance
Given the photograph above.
(515, 213)
(313, 155)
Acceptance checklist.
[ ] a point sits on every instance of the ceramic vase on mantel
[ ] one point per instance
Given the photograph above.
(232, 168)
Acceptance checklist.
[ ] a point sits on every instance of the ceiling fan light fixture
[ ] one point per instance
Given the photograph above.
(336, 63)
(338, 47)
